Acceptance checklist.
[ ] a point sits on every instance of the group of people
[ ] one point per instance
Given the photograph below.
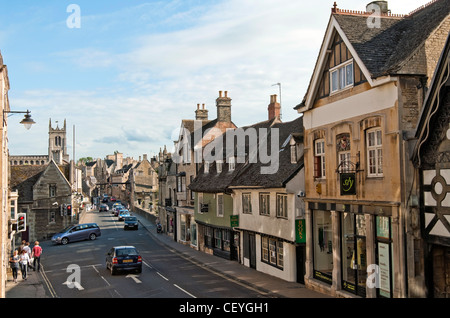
(25, 257)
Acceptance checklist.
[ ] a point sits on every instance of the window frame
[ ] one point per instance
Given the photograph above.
(247, 208)
(342, 79)
(220, 205)
(319, 159)
(262, 210)
(377, 149)
(282, 198)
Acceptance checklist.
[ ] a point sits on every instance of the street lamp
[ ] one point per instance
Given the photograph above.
(27, 121)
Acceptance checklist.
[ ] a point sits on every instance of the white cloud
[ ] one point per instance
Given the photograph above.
(161, 73)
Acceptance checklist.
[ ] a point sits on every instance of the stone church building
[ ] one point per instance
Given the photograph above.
(57, 149)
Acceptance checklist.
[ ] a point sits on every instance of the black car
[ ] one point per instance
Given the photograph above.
(130, 222)
(123, 258)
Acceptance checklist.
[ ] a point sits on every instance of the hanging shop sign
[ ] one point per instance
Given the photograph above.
(300, 231)
(234, 220)
(348, 183)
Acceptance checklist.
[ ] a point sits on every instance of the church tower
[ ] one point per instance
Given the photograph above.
(57, 143)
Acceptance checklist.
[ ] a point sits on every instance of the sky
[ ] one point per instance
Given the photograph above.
(123, 74)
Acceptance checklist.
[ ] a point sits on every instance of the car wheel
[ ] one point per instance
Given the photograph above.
(64, 240)
(92, 236)
(113, 272)
(139, 270)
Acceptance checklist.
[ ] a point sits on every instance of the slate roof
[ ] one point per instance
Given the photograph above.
(384, 50)
(23, 177)
(249, 174)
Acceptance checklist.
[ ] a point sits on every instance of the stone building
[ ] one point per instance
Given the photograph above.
(44, 191)
(167, 185)
(431, 157)
(371, 74)
(246, 215)
(57, 149)
(194, 136)
(6, 217)
(144, 184)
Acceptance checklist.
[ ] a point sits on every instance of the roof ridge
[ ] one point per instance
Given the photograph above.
(336, 10)
(422, 7)
(366, 13)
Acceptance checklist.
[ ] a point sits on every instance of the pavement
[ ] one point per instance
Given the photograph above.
(36, 284)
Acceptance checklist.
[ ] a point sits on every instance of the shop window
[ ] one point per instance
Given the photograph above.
(208, 236)
(384, 256)
(323, 247)
(272, 251)
(354, 256)
(374, 152)
(319, 158)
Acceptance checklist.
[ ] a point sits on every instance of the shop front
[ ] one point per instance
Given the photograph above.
(350, 249)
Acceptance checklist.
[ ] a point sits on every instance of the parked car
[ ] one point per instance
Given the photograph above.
(77, 232)
(130, 222)
(123, 214)
(123, 258)
(103, 208)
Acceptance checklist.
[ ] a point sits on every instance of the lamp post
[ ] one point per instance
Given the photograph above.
(27, 121)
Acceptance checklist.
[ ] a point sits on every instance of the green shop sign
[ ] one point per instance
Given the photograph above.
(300, 231)
(234, 220)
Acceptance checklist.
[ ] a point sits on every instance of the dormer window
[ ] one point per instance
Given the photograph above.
(231, 164)
(341, 77)
(219, 166)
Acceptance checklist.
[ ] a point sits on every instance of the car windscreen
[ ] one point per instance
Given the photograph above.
(130, 218)
(66, 229)
(126, 252)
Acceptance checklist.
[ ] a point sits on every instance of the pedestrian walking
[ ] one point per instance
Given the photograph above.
(14, 263)
(28, 249)
(36, 256)
(24, 260)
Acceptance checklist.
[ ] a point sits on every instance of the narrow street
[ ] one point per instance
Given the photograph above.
(164, 274)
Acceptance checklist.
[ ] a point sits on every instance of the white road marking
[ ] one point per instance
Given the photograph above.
(188, 293)
(134, 277)
(162, 276)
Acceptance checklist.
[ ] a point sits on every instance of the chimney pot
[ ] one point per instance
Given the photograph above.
(198, 106)
(220, 93)
(226, 93)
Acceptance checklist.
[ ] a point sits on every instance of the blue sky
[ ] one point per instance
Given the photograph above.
(134, 69)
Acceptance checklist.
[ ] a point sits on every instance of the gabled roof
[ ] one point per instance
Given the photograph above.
(61, 170)
(379, 51)
(249, 174)
(23, 177)
(433, 109)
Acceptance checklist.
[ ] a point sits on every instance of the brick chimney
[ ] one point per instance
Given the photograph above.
(201, 113)
(274, 107)
(223, 104)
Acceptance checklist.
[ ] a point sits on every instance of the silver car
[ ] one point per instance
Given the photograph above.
(77, 232)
